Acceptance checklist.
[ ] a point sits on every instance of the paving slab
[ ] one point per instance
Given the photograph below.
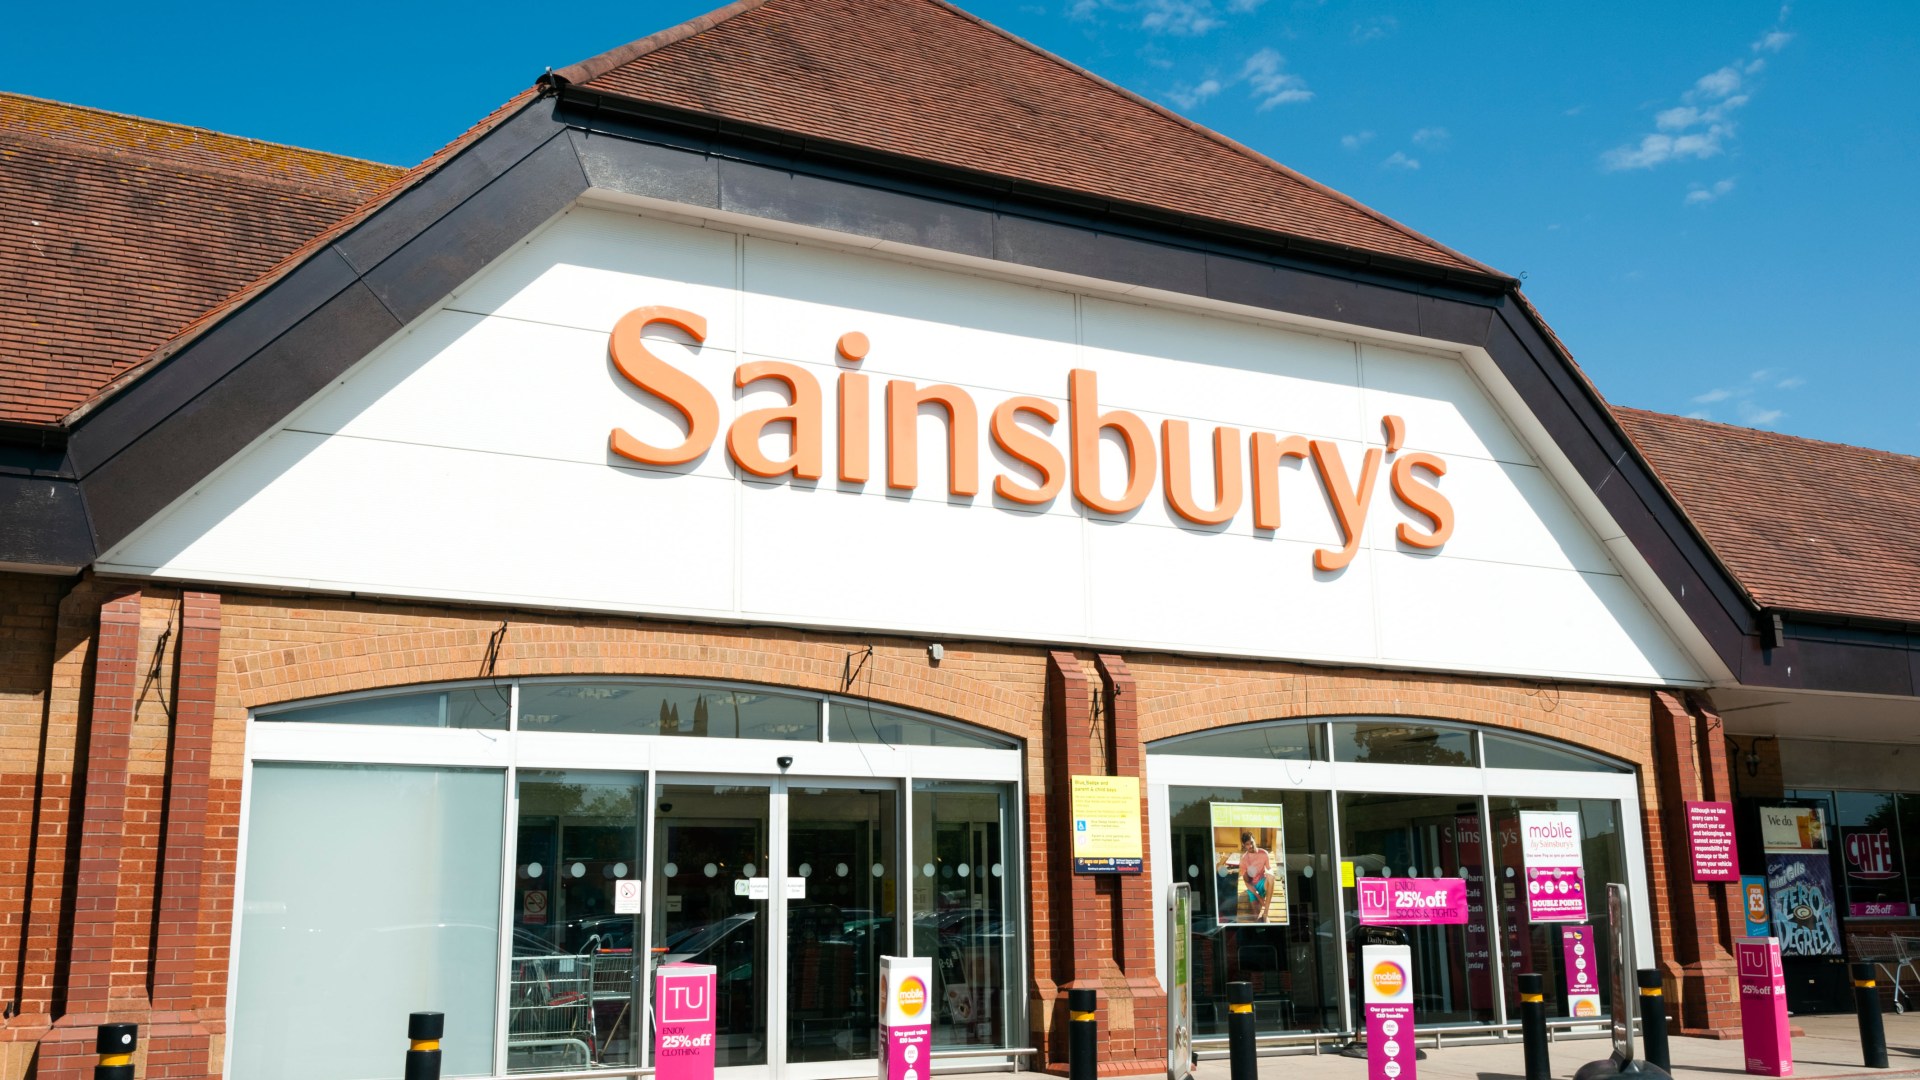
(1830, 1049)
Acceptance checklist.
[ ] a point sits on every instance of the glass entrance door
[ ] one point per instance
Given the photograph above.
(791, 890)
(714, 901)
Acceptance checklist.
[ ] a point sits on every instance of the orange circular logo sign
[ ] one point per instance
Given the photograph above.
(913, 995)
(1586, 1008)
(1388, 978)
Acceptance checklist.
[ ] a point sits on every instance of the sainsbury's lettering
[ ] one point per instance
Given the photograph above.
(1024, 429)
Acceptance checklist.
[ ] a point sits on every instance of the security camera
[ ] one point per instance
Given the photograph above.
(785, 762)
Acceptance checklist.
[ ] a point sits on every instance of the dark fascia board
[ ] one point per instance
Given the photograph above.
(145, 449)
(43, 525)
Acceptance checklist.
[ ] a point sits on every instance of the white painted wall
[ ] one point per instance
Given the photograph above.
(467, 459)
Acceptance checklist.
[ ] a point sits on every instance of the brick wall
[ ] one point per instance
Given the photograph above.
(187, 667)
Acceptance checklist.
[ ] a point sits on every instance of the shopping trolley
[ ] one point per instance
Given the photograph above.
(1894, 955)
(550, 1013)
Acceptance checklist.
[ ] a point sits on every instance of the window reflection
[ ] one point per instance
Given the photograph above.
(961, 915)
(690, 711)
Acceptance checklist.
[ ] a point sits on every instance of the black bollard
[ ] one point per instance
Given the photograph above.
(423, 1045)
(1242, 1061)
(1866, 1002)
(1533, 1028)
(114, 1043)
(1083, 1033)
(1653, 1019)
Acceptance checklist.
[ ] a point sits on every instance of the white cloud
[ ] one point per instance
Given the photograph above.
(1182, 18)
(1265, 71)
(1356, 140)
(1375, 28)
(1431, 137)
(1188, 97)
(1244, 5)
(1701, 194)
(1701, 125)
(1399, 160)
(1746, 398)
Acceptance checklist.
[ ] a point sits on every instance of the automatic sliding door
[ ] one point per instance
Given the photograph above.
(842, 881)
(714, 881)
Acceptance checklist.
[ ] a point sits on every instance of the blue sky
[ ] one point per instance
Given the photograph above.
(1712, 203)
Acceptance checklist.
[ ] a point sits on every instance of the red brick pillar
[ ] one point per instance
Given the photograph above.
(1091, 931)
(67, 1051)
(178, 1042)
(1699, 966)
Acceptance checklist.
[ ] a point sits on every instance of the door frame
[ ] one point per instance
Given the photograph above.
(1167, 771)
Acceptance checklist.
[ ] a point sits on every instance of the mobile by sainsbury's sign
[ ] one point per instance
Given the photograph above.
(1023, 428)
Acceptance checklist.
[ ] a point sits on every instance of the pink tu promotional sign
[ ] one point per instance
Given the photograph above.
(1412, 901)
(1550, 852)
(1763, 1007)
(683, 1022)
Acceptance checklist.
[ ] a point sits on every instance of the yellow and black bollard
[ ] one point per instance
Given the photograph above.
(115, 1043)
(1873, 1031)
(1533, 1028)
(423, 1045)
(1242, 1059)
(1653, 1019)
(1083, 1034)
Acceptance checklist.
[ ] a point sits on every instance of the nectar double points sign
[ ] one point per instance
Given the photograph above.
(906, 1017)
(1389, 1002)
(1550, 849)
(684, 1022)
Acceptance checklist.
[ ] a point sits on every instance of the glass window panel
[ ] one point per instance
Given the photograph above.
(1910, 847)
(854, 722)
(693, 711)
(351, 921)
(483, 707)
(961, 915)
(1870, 856)
(1292, 965)
(1277, 742)
(573, 988)
(843, 845)
(1424, 836)
(710, 844)
(1506, 752)
(1537, 947)
(1397, 742)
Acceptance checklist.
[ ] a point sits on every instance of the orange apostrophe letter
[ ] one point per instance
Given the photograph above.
(1086, 421)
(1226, 473)
(1349, 502)
(664, 381)
(802, 416)
(1423, 499)
(1028, 448)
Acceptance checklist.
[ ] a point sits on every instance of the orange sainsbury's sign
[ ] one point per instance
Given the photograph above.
(1023, 428)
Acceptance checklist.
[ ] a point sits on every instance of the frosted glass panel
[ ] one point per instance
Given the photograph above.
(372, 891)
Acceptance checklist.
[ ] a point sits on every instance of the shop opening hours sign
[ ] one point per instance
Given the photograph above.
(1710, 837)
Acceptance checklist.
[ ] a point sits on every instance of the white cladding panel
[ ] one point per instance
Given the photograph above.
(468, 459)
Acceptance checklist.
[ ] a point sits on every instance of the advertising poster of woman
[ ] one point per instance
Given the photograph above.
(1249, 863)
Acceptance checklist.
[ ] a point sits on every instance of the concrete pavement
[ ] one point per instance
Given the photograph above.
(1829, 1049)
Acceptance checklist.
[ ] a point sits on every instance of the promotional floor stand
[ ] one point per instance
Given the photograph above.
(1764, 1032)
(1622, 987)
(906, 1023)
(684, 1021)
(1388, 990)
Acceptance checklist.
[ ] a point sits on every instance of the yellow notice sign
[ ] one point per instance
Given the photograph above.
(1106, 825)
(1346, 875)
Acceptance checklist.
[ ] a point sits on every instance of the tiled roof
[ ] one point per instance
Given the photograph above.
(116, 231)
(1804, 525)
(922, 79)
